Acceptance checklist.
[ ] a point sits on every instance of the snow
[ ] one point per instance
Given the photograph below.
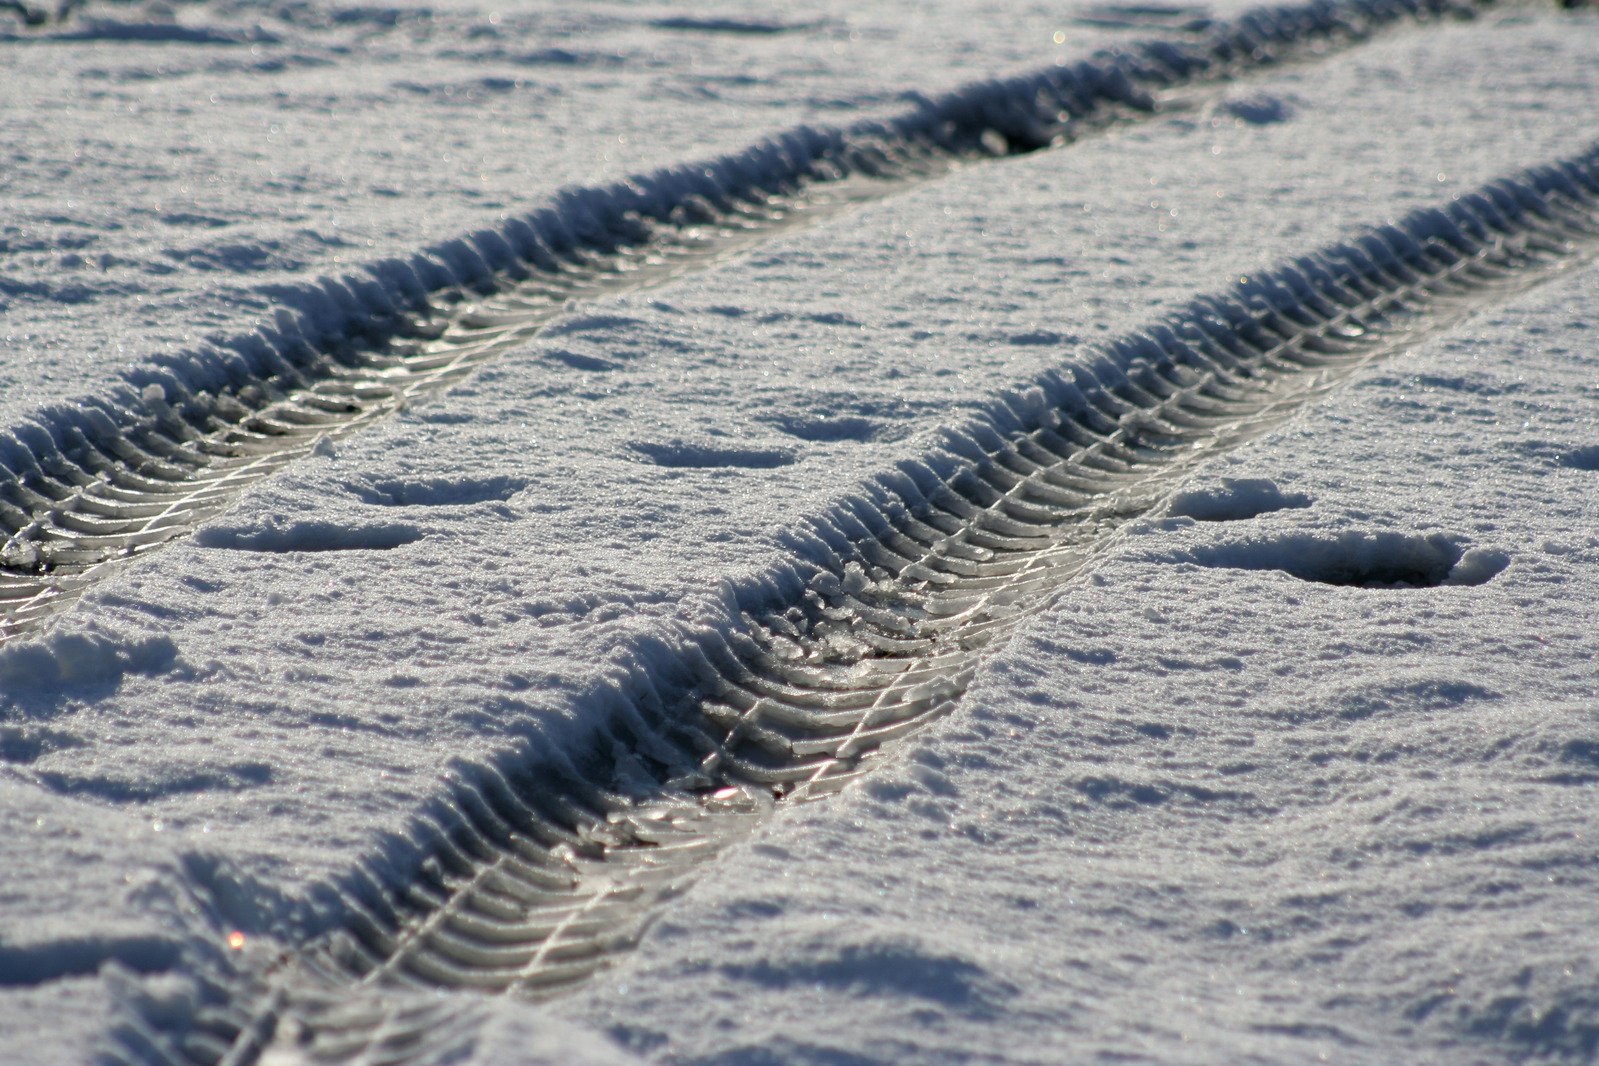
(1194, 814)
(1217, 803)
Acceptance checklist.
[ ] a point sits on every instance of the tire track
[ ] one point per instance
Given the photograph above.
(113, 477)
(545, 866)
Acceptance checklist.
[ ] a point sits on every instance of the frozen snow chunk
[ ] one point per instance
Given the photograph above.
(82, 659)
(1477, 566)
(1234, 499)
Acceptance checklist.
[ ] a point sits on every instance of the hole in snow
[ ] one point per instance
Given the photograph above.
(1234, 500)
(827, 430)
(579, 361)
(1259, 109)
(742, 27)
(439, 491)
(1582, 458)
(695, 454)
(1140, 16)
(1362, 560)
(310, 537)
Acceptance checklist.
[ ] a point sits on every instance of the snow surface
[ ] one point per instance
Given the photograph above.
(1203, 809)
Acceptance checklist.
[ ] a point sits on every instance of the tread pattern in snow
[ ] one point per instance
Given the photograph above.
(109, 478)
(544, 867)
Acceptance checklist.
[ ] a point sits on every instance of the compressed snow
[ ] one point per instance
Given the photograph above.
(1203, 809)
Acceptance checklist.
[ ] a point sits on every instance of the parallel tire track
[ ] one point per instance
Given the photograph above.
(545, 866)
(110, 478)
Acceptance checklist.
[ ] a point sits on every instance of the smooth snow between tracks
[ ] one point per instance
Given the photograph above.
(535, 871)
(95, 481)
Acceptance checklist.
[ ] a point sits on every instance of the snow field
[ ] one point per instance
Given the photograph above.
(563, 521)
